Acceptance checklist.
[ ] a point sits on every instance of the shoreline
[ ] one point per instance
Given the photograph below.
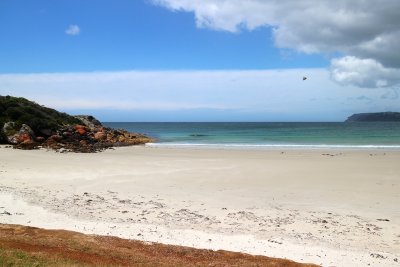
(302, 200)
(266, 147)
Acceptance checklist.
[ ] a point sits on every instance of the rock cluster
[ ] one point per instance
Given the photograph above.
(90, 136)
(24, 136)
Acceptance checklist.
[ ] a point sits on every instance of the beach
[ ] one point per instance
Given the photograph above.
(336, 207)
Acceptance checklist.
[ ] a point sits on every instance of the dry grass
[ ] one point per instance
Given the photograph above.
(28, 246)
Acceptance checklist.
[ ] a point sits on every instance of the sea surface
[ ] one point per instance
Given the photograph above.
(268, 134)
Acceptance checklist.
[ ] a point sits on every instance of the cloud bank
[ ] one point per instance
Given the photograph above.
(252, 95)
(366, 33)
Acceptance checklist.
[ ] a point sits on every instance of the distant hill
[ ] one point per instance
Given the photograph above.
(374, 117)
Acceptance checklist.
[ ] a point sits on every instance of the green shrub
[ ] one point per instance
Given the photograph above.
(23, 111)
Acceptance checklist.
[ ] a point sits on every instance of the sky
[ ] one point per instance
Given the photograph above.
(203, 60)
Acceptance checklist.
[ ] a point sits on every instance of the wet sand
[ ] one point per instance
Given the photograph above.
(336, 208)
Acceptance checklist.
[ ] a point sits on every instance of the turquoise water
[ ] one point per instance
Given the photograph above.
(260, 134)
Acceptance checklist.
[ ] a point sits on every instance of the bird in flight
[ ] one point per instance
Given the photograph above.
(304, 78)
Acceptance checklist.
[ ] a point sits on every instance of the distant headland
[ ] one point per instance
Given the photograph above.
(374, 117)
(28, 125)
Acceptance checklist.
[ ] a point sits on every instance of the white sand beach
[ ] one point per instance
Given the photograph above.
(334, 208)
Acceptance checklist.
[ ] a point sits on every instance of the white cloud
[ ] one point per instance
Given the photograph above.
(363, 72)
(73, 30)
(359, 28)
(234, 95)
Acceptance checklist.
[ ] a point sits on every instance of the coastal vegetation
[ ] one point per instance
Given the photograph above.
(28, 246)
(22, 111)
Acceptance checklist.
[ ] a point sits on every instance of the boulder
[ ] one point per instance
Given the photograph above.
(55, 138)
(10, 132)
(24, 138)
(46, 132)
(81, 129)
(27, 144)
(15, 136)
(66, 134)
(100, 136)
(83, 142)
(40, 139)
(25, 129)
(89, 121)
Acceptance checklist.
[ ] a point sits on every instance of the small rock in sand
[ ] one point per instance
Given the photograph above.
(383, 220)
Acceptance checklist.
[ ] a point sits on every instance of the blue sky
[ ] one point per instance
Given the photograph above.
(169, 60)
(126, 35)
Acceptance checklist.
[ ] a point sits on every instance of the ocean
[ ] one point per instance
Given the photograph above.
(260, 135)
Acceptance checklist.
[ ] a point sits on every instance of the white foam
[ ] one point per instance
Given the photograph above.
(270, 146)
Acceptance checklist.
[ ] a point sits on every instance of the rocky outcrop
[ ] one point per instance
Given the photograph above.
(374, 117)
(81, 138)
(72, 138)
(27, 125)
